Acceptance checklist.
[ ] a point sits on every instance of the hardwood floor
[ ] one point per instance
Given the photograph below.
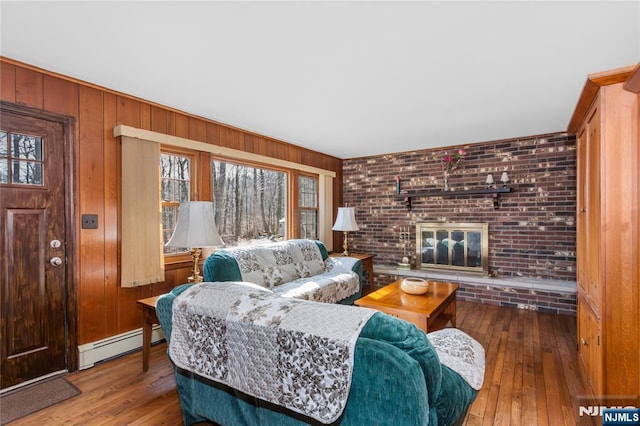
(531, 377)
(531, 374)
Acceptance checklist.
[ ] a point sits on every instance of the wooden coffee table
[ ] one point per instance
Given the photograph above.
(431, 311)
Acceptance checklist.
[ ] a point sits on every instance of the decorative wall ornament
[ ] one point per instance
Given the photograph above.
(449, 164)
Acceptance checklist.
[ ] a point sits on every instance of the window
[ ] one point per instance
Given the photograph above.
(21, 159)
(249, 203)
(308, 207)
(175, 181)
(264, 188)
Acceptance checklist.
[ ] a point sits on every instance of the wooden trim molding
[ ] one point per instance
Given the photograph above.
(325, 211)
(633, 83)
(230, 153)
(590, 90)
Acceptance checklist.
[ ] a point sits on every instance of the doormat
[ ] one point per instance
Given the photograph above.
(35, 397)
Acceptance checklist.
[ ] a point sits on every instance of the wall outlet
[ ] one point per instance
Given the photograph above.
(527, 307)
(89, 221)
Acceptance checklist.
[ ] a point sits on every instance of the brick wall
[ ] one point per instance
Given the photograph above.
(532, 233)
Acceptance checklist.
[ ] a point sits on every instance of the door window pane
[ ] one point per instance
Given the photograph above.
(27, 172)
(21, 159)
(4, 159)
(27, 147)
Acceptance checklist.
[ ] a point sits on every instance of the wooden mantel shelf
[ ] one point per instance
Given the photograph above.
(408, 196)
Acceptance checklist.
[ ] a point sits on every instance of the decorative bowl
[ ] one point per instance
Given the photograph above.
(414, 286)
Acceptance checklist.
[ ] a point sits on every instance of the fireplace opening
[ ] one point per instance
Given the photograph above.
(453, 246)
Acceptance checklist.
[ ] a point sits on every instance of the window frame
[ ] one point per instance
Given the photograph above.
(11, 161)
(300, 209)
(292, 230)
(194, 185)
(326, 177)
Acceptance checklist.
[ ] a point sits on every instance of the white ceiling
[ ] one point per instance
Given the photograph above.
(348, 79)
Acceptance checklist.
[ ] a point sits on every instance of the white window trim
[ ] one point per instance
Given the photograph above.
(325, 177)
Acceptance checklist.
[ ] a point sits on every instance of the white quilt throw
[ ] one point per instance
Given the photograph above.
(461, 353)
(290, 352)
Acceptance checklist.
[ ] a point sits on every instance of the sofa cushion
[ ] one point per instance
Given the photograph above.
(221, 266)
(329, 287)
(409, 339)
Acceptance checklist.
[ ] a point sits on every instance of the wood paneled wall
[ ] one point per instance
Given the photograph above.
(105, 309)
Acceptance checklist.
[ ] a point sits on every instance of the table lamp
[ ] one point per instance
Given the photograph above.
(346, 221)
(196, 228)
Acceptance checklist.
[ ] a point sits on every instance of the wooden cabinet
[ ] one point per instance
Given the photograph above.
(606, 124)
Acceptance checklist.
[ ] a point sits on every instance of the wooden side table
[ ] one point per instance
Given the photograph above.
(149, 318)
(367, 264)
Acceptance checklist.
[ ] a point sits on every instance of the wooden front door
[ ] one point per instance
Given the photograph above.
(33, 272)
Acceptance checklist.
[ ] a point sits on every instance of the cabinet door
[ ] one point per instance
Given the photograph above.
(594, 346)
(583, 336)
(590, 347)
(592, 214)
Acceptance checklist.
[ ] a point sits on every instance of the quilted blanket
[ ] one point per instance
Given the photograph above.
(275, 264)
(336, 283)
(290, 352)
(461, 353)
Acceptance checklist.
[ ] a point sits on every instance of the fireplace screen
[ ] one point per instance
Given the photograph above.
(453, 246)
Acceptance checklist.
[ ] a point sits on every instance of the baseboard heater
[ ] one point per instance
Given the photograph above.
(91, 353)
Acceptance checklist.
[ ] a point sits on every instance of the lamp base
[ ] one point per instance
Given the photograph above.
(195, 272)
(345, 245)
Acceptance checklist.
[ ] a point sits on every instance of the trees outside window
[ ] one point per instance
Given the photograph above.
(249, 203)
(175, 181)
(21, 159)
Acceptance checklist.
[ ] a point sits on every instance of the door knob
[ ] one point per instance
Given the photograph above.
(55, 261)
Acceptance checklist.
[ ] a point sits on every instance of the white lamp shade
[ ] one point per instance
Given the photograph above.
(505, 177)
(346, 220)
(489, 179)
(196, 226)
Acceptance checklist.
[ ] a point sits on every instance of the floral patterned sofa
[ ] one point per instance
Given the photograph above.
(298, 268)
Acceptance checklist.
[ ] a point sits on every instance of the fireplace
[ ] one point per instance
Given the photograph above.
(453, 246)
